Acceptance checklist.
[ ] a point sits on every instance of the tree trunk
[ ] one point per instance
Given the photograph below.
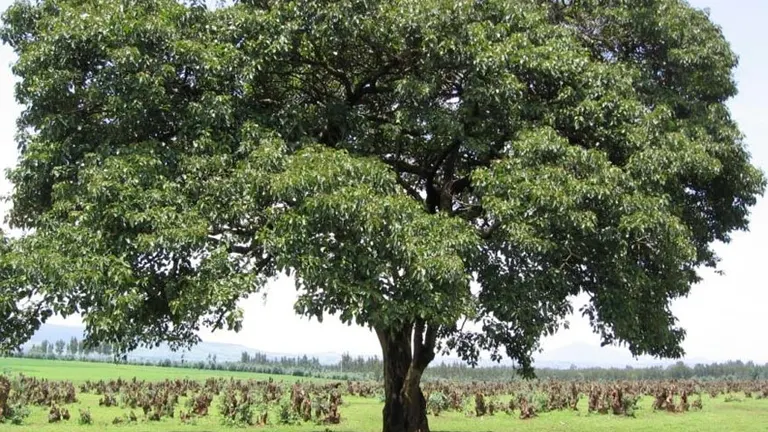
(405, 408)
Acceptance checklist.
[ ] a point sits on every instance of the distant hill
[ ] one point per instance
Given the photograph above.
(581, 355)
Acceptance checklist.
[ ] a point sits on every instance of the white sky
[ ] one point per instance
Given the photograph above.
(724, 315)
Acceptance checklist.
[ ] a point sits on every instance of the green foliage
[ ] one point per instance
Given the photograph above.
(538, 400)
(13, 409)
(236, 410)
(478, 161)
(85, 417)
(287, 415)
(629, 404)
(15, 413)
(437, 403)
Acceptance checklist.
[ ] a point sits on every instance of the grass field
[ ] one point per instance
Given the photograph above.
(78, 372)
(364, 415)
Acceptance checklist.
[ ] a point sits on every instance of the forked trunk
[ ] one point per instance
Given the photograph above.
(405, 408)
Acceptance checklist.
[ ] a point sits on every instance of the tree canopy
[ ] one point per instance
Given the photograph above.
(414, 164)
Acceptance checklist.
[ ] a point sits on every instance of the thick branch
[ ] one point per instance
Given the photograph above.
(418, 338)
(405, 167)
(433, 201)
(485, 235)
(408, 188)
(370, 84)
(469, 213)
(430, 340)
(424, 344)
(383, 340)
(460, 185)
(443, 156)
(339, 75)
(433, 196)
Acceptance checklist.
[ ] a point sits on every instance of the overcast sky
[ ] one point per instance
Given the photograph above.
(725, 316)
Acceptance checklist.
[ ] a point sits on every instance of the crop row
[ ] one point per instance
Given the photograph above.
(246, 402)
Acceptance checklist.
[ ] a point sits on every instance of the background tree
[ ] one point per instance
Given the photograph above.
(450, 182)
(73, 346)
(104, 348)
(60, 345)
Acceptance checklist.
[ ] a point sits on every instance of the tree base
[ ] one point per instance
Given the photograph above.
(405, 408)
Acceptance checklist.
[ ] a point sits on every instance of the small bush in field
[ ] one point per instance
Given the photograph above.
(85, 417)
(15, 413)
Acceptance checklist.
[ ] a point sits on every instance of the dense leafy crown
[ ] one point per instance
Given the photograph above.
(408, 161)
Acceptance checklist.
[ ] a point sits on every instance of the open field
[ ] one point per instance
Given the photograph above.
(78, 372)
(363, 413)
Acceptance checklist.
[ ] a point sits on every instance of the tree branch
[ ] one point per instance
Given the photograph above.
(424, 344)
(223, 312)
(234, 248)
(402, 166)
(418, 339)
(408, 188)
(443, 156)
(369, 85)
(339, 75)
(460, 185)
(433, 201)
(485, 235)
(430, 340)
(469, 213)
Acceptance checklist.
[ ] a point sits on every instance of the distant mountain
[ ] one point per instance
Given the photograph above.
(581, 355)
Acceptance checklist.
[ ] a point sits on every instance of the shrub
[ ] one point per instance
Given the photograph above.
(236, 411)
(539, 401)
(437, 403)
(480, 408)
(5, 393)
(629, 404)
(15, 413)
(287, 415)
(85, 417)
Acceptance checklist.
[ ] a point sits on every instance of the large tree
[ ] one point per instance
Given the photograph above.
(447, 173)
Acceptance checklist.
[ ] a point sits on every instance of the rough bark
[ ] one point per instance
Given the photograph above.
(405, 408)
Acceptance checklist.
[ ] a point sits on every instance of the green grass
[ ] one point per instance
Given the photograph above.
(78, 372)
(364, 415)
